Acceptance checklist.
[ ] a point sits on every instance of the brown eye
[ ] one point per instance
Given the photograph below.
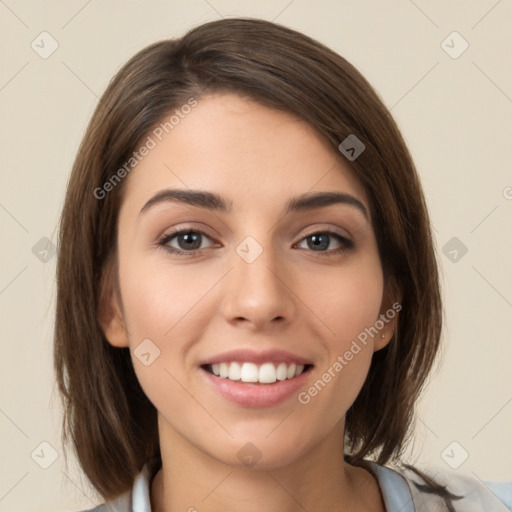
(189, 241)
(325, 242)
(185, 242)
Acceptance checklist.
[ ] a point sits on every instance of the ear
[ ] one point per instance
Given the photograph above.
(388, 316)
(110, 315)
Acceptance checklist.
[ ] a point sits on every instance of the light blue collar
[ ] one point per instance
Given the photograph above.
(395, 491)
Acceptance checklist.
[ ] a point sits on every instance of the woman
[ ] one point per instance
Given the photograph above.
(248, 297)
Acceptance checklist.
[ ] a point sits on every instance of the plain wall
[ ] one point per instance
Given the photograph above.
(455, 114)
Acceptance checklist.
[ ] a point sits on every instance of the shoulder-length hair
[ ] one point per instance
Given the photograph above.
(107, 417)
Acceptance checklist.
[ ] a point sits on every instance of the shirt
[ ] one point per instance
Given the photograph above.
(402, 491)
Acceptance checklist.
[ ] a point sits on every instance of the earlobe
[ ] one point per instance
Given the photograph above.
(382, 340)
(112, 321)
(388, 317)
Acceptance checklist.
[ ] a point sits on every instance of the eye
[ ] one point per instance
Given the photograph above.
(188, 242)
(185, 241)
(326, 241)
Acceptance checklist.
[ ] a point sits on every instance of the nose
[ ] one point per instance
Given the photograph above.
(257, 295)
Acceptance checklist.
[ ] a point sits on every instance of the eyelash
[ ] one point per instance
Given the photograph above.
(163, 242)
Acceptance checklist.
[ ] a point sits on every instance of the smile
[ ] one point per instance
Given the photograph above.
(266, 373)
(256, 378)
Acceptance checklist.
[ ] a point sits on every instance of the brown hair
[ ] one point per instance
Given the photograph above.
(108, 419)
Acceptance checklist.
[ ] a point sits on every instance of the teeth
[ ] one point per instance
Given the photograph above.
(282, 371)
(249, 372)
(267, 373)
(223, 370)
(234, 371)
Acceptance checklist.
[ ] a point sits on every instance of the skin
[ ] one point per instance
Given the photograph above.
(313, 303)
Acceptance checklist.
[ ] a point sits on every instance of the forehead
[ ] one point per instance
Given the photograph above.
(243, 151)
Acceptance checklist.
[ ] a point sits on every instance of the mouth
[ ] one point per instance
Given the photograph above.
(252, 378)
(249, 372)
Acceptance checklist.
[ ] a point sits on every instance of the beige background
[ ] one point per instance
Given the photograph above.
(455, 115)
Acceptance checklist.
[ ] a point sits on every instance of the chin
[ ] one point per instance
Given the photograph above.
(259, 452)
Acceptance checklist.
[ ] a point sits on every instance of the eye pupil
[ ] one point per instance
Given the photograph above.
(189, 240)
(318, 242)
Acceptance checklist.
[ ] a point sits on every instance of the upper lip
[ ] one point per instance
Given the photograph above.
(252, 356)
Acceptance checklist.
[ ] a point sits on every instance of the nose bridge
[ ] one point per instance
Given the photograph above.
(255, 290)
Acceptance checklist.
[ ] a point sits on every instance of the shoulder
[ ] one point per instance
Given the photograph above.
(121, 504)
(137, 498)
(111, 506)
(455, 491)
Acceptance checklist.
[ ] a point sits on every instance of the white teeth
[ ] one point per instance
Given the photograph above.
(223, 370)
(267, 373)
(234, 371)
(281, 372)
(249, 372)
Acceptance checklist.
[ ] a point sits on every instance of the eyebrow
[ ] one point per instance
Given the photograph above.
(215, 202)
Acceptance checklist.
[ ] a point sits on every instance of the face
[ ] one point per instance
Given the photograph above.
(246, 248)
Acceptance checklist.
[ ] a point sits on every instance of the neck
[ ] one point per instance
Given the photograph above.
(191, 480)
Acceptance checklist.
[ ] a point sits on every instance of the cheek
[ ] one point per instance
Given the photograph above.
(347, 299)
(161, 299)
(164, 310)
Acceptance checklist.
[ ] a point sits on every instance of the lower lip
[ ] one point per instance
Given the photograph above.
(257, 395)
